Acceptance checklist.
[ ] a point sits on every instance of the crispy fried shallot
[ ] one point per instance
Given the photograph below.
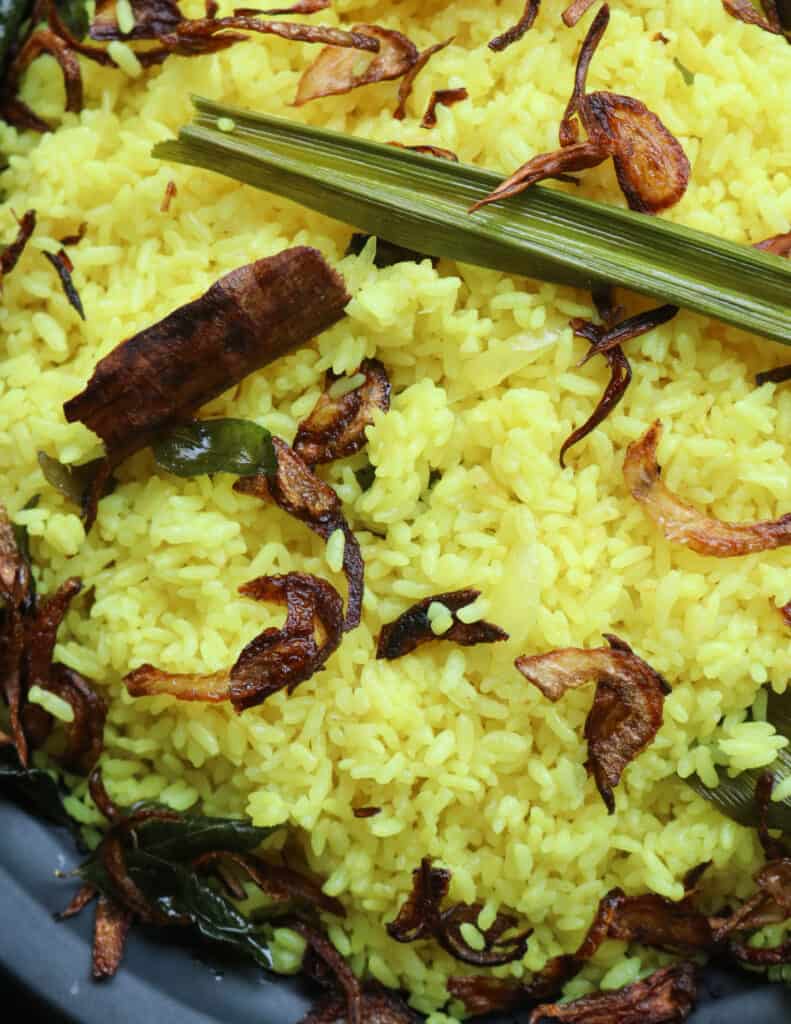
(575, 11)
(778, 375)
(484, 994)
(746, 11)
(422, 917)
(152, 19)
(620, 378)
(336, 426)
(111, 926)
(276, 659)
(515, 32)
(627, 707)
(277, 881)
(45, 40)
(377, 1006)
(159, 377)
(681, 522)
(324, 955)
(444, 98)
(190, 36)
(777, 245)
(785, 612)
(665, 997)
(297, 490)
(651, 167)
(412, 628)
(64, 267)
(335, 71)
(408, 81)
(9, 257)
(617, 334)
(77, 237)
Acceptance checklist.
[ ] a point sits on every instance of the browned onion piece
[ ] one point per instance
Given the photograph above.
(652, 920)
(298, 491)
(421, 917)
(9, 257)
(744, 10)
(650, 164)
(19, 115)
(334, 71)
(110, 929)
(515, 32)
(681, 522)
(276, 659)
(408, 81)
(153, 18)
(482, 994)
(301, 7)
(620, 378)
(627, 707)
(159, 377)
(321, 948)
(44, 40)
(651, 167)
(619, 333)
(445, 98)
(42, 631)
(85, 734)
(335, 427)
(190, 33)
(666, 997)
(167, 199)
(377, 1006)
(575, 11)
(412, 628)
(84, 895)
(101, 797)
(276, 880)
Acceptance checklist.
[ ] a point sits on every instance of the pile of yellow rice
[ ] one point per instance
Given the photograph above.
(470, 764)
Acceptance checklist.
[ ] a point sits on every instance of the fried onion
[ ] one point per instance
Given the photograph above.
(9, 257)
(515, 32)
(298, 491)
(276, 659)
(336, 426)
(334, 71)
(445, 98)
(575, 11)
(627, 707)
(681, 522)
(412, 628)
(408, 81)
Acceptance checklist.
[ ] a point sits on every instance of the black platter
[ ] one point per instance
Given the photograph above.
(164, 982)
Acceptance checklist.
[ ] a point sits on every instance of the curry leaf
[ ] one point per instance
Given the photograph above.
(74, 13)
(33, 787)
(71, 481)
(217, 446)
(686, 74)
(189, 836)
(735, 797)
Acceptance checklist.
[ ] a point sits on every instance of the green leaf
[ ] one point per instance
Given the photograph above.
(75, 15)
(387, 254)
(418, 202)
(735, 797)
(189, 836)
(32, 787)
(175, 889)
(686, 74)
(71, 481)
(13, 15)
(217, 446)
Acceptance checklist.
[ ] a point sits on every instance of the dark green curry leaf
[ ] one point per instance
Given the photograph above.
(72, 481)
(75, 15)
(366, 476)
(188, 836)
(387, 253)
(735, 797)
(217, 446)
(32, 787)
(13, 15)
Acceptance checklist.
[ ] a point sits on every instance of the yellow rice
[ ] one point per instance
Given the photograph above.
(468, 763)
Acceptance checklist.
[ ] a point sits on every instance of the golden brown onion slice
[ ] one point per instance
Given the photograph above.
(111, 926)
(444, 98)
(408, 81)
(336, 426)
(9, 257)
(515, 32)
(335, 71)
(575, 11)
(665, 997)
(277, 659)
(627, 707)
(152, 19)
(746, 11)
(412, 628)
(681, 522)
